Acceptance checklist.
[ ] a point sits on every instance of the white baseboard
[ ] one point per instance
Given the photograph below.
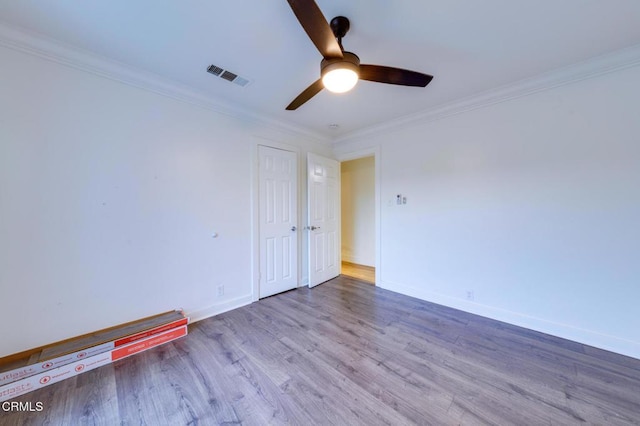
(587, 337)
(219, 308)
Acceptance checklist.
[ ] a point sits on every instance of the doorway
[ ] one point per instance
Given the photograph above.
(358, 211)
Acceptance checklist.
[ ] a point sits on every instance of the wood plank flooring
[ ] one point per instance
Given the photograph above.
(361, 272)
(349, 353)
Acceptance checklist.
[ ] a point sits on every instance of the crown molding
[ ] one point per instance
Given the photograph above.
(35, 44)
(600, 65)
(46, 48)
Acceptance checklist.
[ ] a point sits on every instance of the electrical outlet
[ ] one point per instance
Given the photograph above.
(470, 295)
(221, 290)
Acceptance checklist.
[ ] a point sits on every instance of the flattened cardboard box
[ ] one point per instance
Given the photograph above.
(37, 381)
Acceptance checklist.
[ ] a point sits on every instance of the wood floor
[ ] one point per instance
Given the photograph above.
(361, 272)
(349, 353)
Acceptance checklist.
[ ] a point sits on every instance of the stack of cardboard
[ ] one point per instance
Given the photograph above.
(36, 368)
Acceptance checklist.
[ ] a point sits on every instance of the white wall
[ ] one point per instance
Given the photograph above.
(531, 204)
(358, 211)
(109, 195)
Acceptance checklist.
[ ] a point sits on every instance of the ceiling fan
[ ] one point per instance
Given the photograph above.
(341, 70)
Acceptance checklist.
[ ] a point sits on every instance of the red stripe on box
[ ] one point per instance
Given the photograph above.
(143, 345)
(151, 332)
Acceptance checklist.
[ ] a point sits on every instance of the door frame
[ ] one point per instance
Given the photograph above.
(375, 153)
(255, 210)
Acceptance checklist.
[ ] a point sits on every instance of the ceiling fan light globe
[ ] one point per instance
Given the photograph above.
(340, 80)
(339, 75)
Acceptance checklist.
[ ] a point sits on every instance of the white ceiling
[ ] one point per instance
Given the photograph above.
(470, 46)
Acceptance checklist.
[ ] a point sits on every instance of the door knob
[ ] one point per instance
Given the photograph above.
(293, 228)
(313, 228)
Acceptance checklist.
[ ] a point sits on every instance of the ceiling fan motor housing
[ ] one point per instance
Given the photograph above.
(349, 61)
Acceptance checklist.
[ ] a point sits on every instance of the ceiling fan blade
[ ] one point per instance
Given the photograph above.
(314, 23)
(308, 93)
(392, 75)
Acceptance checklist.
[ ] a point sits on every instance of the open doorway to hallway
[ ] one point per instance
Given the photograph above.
(358, 218)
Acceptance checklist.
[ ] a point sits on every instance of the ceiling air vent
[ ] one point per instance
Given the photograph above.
(214, 70)
(228, 75)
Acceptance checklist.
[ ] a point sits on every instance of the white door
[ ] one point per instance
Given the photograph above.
(323, 180)
(278, 221)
